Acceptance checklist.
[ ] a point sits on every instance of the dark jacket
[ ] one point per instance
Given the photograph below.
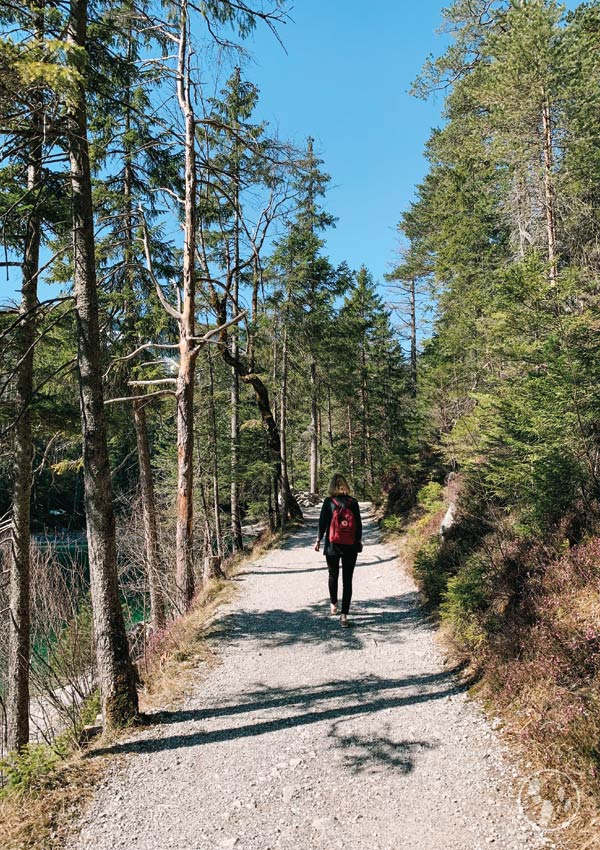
(325, 520)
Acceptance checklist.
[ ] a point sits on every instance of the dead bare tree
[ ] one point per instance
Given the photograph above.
(223, 293)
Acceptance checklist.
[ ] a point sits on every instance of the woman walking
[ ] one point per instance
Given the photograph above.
(341, 525)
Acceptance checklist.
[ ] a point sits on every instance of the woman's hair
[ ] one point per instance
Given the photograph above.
(338, 486)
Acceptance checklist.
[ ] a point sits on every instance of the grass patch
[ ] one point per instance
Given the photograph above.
(45, 798)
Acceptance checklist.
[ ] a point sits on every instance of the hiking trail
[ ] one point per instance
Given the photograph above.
(306, 735)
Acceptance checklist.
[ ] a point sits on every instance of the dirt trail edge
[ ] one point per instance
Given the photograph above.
(310, 736)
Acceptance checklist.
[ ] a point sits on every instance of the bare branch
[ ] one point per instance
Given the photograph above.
(152, 383)
(202, 340)
(157, 394)
(145, 347)
(150, 268)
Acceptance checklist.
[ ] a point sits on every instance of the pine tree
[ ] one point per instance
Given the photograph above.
(309, 285)
(28, 139)
(115, 672)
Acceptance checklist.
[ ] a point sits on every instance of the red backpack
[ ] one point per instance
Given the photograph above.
(343, 524)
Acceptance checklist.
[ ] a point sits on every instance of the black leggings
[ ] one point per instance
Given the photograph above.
(348, 564)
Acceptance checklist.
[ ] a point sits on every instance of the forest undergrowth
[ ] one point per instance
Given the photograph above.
(521, 618)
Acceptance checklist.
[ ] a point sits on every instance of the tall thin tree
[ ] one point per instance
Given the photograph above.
(115, 671)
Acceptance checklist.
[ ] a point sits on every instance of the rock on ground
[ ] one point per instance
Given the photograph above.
(310, 736)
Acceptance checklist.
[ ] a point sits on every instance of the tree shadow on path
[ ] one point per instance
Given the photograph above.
(372, 752)
(373, 621)
(338, 700)
(264, 708)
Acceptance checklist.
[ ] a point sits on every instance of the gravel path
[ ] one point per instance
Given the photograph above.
(310, 736)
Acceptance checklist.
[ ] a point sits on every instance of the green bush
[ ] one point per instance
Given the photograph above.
(33, 768)
(465, 601)
(431, 497)
(429, 572)
(90, 709)
(392, 524)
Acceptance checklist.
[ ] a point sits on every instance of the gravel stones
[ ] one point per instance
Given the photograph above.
(308, 736)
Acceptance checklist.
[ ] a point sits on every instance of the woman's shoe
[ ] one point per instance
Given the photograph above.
(333, 608)
(344, 621)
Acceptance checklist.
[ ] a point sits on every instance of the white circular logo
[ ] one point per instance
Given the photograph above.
(550, 800)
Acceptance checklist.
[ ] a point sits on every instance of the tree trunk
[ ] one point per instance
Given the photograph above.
(290, 508)
(350, 446)
(254, 314)
(271, 509)
(212, 563)
(116, 675)
(329, 422)
(236, 522)
(550, 201)
(320, 439)
(314, 431)
(19, 621)
(157, 599)
(215, 458)
(150, 522)
(363, 416)
(370, 467)
(413, 339)
(184, 542)
(283, 418)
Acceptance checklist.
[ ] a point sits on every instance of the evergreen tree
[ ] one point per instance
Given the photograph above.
(308, 286)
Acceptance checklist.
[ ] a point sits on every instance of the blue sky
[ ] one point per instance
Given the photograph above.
(345, 81)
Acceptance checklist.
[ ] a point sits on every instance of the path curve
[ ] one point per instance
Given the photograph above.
(309, 736)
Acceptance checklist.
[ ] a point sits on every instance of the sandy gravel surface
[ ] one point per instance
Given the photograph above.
(310, 736)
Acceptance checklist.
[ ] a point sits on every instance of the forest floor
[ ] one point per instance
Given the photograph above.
(306, 735)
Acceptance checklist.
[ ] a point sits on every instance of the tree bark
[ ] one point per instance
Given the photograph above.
(254, 313)
(150, 522)
(19, 621)
(116, 675)
(157, 599)
(370, 467)
(184, 541)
